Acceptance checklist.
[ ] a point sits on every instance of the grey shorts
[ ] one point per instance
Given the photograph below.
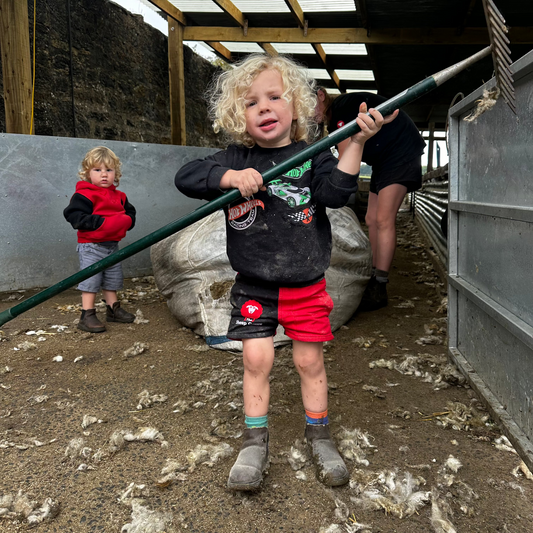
(110, 279)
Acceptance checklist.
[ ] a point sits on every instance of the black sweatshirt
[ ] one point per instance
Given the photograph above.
(282, 235)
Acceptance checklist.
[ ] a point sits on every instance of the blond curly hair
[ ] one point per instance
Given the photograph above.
(228, 93)
(97, 156)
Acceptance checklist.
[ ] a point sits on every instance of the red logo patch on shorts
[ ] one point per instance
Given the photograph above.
(252, 310)
(340, 124)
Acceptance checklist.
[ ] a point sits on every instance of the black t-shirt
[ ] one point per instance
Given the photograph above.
(396, 143)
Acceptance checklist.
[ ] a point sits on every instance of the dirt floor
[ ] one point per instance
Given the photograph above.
(136, 429)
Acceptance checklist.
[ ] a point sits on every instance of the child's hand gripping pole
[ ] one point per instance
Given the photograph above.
(386, 108)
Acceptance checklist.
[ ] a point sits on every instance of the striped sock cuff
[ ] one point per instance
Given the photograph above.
(256, 421)
(317, 418)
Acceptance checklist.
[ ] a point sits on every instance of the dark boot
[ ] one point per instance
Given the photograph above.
(252, 461)
(330, 468)
(375, 296)
(89, 322)
(117, 314)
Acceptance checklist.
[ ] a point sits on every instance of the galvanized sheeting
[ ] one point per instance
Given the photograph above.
(490, 254)
(38, 176)
(431, 202)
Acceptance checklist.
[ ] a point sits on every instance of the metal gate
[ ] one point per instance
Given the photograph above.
(490, 260)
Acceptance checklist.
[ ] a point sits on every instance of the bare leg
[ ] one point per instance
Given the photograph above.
(371, 222)
(308, 359)
(252, 461)
(110, 297)
(258, 358)
(87, 300)
(381, 214)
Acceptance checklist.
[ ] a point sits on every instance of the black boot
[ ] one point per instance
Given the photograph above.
(330, 468)
(117, 314)
(252, 461)
(89, 322)
(375, 296)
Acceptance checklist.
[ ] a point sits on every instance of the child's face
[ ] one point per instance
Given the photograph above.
(102, 176)
(269, 117)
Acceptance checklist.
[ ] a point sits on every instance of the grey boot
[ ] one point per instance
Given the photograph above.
(330, 468)
(252, 461)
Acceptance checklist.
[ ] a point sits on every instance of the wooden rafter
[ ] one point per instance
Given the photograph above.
(170, 10)
(410, 36)
(220, 50)
(320, 51)
(465, 17)
(361, 8)
(296, 11)
(231, 9)
(269, 49)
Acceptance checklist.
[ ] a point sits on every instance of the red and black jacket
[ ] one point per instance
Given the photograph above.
(99, 214)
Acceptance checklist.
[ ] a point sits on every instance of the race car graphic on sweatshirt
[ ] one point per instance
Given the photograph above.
(294, 196)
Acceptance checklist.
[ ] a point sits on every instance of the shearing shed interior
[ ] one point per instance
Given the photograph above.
(136, 428)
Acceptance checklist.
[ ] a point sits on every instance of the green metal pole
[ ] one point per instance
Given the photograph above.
(386, 108)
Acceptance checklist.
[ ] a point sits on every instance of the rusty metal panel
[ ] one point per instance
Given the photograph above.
(490, 254)
(37, 178)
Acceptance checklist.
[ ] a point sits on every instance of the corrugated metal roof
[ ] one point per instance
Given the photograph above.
(347, 74)
(386, 47)
(326, 5)
(254, 6)
(196, 6)
(294, 48)
(243, 47)
(349, 49)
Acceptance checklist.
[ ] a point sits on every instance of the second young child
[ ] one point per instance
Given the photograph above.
(279, 242)
(102, 215)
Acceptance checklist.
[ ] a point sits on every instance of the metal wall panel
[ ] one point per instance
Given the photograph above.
(37, 178)
(431, 202)
(490, 254)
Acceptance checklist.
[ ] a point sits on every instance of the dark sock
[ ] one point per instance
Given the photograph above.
(382, 276)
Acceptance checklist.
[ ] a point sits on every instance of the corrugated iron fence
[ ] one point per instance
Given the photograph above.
(430, 206)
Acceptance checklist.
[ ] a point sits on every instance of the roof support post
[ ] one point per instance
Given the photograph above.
(16, 65)
(176, 72)
(431, 143)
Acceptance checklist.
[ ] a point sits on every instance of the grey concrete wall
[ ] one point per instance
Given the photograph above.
(490, 255)
(38, 176)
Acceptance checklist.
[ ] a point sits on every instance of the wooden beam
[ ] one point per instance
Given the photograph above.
(411, 36)
(16, 65)
(463, 21)
(176, 73)
(269, 49)
(220, 50)
(361, 10)
(297, 12)
(170, 10)
(320, 51)
(231, 9)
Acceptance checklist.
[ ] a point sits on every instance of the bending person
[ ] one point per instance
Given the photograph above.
(394, 154)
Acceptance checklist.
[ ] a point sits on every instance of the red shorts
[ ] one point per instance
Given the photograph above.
(259, 308)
